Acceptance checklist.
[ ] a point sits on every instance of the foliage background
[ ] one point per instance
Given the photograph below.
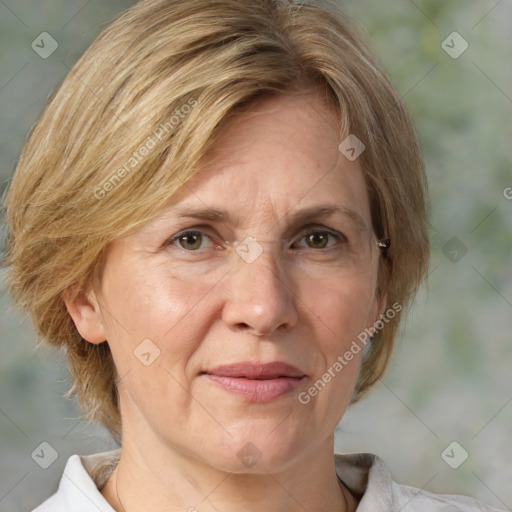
(450, 377)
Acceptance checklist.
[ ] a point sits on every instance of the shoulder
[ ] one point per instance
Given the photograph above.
(368, 478)
(80, 483)
(412, 499)
(53, 504)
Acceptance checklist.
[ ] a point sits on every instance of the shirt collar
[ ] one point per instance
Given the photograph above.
(364, 474)
(82, 477)
(368, 478)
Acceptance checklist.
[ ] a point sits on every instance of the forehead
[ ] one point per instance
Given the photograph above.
(278, 158)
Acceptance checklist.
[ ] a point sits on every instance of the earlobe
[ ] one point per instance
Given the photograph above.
(83, 307)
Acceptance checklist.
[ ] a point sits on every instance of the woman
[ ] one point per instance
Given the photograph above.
(221, 216)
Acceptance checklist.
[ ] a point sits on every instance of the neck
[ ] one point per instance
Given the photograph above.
(163, 479)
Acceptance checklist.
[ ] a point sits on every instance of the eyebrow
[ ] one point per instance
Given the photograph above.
(315, 212)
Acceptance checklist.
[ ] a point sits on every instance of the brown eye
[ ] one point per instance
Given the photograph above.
(320, 239)
(317, 240)
(189, 240)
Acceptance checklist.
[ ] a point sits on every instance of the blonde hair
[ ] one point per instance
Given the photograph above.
(134, 118)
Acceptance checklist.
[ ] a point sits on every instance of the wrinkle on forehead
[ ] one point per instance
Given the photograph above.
(278, 159)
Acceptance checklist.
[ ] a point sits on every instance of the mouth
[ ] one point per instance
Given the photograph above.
(256, 382)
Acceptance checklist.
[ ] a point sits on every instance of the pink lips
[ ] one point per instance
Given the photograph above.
(257, 382)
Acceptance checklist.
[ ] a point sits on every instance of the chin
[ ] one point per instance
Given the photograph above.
(256, 454)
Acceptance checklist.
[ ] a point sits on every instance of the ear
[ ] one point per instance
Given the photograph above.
(84, 309)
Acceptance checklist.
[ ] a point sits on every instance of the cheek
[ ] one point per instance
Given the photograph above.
(342, 307)
(156, 322)
(155, 305)
(340, 311)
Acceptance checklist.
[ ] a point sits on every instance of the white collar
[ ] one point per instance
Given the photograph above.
(364, 474)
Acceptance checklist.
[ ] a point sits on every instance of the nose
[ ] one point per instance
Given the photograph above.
(260, 298)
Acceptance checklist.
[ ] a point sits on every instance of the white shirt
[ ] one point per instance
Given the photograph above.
(364, 474)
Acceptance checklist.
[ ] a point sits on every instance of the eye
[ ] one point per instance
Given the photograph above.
(319, 239)
(194, 240)
(189, 240)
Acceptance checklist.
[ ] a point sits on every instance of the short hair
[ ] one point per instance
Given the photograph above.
(136, 115)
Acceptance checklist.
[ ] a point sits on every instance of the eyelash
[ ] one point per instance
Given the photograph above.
(335, 234)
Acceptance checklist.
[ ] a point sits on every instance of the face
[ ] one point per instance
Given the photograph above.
(224, 311)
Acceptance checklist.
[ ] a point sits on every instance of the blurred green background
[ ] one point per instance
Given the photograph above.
(450, 377)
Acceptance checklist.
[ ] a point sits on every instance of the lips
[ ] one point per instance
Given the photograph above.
(256, 382)
(257, 371)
